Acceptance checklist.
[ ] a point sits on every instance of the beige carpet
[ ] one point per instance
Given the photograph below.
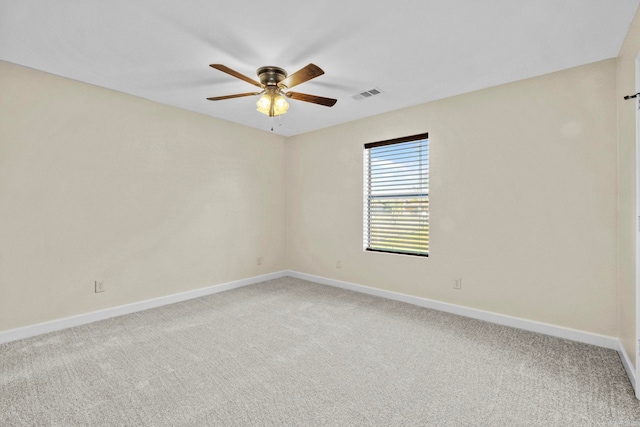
(294, 353)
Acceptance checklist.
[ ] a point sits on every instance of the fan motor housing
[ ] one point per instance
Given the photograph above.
(271, 76)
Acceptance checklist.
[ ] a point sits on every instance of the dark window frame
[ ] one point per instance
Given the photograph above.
(401, 224)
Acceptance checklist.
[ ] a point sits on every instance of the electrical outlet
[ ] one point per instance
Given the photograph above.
(259, 261)
(457, 284)
(99, 286)
(338, 264)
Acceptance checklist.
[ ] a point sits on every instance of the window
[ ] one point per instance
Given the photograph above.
(396, 195)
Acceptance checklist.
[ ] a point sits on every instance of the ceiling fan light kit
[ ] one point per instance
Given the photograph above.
(272, 104)
(274, 82)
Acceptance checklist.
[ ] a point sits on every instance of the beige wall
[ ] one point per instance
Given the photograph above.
(153, 200)
(626, 67)
(523, 200)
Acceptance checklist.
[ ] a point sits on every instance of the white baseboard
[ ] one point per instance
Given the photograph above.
(82, 319)
(500, 319)
(628, 366)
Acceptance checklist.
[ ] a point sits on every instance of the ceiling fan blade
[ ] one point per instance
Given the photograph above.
(304, 74)
(327, 102)
(235, 74)
(238, 95)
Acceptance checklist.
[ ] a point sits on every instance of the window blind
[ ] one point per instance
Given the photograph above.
(396, 195)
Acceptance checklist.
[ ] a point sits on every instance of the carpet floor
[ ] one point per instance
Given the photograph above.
(289, 352)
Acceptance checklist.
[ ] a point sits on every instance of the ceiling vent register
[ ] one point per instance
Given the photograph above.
(367, 94)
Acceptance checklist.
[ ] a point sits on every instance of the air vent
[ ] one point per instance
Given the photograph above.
(367, 94)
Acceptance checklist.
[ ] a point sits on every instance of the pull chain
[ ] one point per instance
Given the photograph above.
(279, 122)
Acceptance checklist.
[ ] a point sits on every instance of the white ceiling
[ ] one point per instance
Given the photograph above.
(415, 51)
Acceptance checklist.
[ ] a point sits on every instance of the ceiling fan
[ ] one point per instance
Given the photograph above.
(274, 83)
